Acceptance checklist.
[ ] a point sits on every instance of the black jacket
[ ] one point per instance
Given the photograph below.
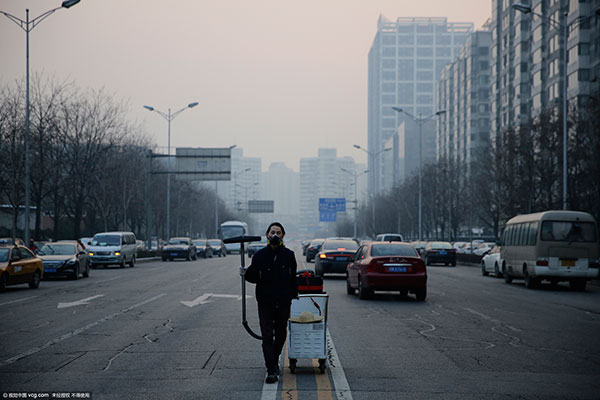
(274, 272)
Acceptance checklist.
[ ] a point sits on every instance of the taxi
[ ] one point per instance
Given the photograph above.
(18, 265)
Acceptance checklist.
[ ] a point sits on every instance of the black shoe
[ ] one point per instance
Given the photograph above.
(271, 378)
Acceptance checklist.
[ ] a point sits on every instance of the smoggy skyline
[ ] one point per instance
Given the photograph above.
(277, 79)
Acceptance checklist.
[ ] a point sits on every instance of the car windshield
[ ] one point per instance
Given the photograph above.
(181, 241)
(106, 240)
(215, 242)
(441, 245)
(55, 249)
(4, 254)
(566, 231)
(232, 231)
(339, 245)
(402, 250)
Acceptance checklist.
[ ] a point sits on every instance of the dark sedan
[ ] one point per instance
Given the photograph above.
(179, 247)
(334, 256)
(203, 248)
(387, 266)
(218, 247)
(313, 248)
(253, 247)
(65, 258)
(439, 252)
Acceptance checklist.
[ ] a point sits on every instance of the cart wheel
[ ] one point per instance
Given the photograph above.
(322, 365)
(293, 365)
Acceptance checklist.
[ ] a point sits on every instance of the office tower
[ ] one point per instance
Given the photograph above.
(405, 61)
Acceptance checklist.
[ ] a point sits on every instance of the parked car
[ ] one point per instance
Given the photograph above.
(10, 241)
(492, 263)
(440, 253)
(253, 247)
(218, 247)
(65, 258)
(387, 266)
(19, 265)
(179, 247)
(313, 249)
(140, 245)
(305, 244)
(334, 256)
(389, 237)
(108, 248)
(203, 248)
(419, 245)
(483, 248)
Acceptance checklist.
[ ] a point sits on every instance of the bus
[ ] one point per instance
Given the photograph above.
(229, 229)
(551, 245)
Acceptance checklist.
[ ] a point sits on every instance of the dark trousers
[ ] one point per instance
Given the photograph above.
(273, 327)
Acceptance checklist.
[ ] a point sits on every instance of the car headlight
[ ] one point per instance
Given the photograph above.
(117, 253)
(91, 253)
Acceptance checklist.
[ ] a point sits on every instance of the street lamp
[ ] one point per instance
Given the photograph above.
(526, 10)
(355, 175)
(28, 26)
(169, 117)
(235, 184)
(373, 155)
(217, 200)
(420, 121)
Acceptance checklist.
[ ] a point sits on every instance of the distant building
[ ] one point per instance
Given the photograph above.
(405, 61)
(463, 93)
(245, 181)
(282, 185)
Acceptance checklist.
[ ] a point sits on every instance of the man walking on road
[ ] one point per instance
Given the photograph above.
(273, 270)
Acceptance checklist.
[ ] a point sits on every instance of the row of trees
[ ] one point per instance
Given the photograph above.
(89, 167)
(521, 172)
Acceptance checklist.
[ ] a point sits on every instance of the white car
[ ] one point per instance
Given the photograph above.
(483, 248)
(492, 263)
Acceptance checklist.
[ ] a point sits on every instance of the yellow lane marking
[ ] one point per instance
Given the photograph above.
(289, 391)
(323, 382)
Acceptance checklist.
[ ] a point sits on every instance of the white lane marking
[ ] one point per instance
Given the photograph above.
(18, 300)
(76, 332)
(199, 300)
(79, 302)
(342, 389)
(269, 390)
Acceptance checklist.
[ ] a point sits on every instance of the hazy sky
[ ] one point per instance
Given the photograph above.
(277, 78)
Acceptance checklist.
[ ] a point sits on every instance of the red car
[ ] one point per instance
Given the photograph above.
(387, 266)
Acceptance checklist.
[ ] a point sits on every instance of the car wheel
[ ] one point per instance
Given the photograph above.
(497, 271)
(530, 281)
(507, 277)
(421, 294)
(454, 263)
(132, 262)
(75, 275)
(188, 257)
(349, 289)
(363, 292)
(86, 273)
(578, 284)
(195, 257)
(3, 282)
(483, 271)
(164, 258)
(35, 281)
(122, 265)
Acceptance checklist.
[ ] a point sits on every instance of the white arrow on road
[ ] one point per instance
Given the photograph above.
(204, 299)
(200, 300)
(79, 302)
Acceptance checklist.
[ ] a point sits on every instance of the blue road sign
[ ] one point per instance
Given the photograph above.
(332, 204)
(327, 216)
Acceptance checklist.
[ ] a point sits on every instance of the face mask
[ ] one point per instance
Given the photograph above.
(275, 241)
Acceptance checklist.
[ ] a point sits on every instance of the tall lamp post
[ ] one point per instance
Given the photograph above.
(374, 155)
(526, 10)
(28, 26)
(420, 121)
(169, 117)
(355, 175)
(235, 185)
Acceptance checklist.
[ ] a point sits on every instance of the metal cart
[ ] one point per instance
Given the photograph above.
(308, 340)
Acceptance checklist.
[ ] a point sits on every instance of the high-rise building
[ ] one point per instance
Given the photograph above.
(282, 185)
(463, 93)
(528, 61)
(405, 61)
(324, 176)
(245, 181)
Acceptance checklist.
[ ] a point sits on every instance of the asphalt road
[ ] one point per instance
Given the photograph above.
(171, 330)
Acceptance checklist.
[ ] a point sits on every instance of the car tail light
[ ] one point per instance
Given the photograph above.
(322, 255)
(542, 262)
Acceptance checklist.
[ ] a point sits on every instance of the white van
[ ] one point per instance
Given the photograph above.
(551, 245)
(108, 248)
(389, 237)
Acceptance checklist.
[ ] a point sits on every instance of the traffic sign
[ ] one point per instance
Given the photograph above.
(327, 216)
(332, 204)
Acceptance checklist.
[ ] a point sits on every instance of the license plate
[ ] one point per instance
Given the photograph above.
(443, 252)
(49, 269)
(568, 263)
(341, 258)
(397, 269)
(173, 254)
